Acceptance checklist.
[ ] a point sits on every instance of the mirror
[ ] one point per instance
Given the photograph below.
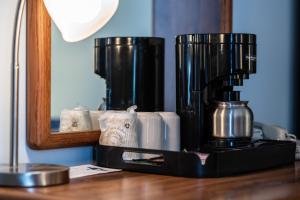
(50, 69)
(74, 85)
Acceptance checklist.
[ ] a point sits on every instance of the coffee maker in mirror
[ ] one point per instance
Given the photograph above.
(133, 69)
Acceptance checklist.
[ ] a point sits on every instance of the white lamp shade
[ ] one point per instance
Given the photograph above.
(78, 19)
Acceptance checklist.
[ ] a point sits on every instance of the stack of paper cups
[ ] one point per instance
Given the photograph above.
(159, 130)
(118, 128)
(171, 131)
(77, 119)
(149, 128)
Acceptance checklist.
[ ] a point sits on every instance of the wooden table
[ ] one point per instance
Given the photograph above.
(283, 183)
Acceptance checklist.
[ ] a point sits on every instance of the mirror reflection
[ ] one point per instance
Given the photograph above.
(76, 91)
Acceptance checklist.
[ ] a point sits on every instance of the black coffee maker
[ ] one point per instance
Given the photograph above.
(209, 66)
(133, 68)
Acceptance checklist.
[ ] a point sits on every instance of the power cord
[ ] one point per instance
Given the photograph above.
(274, 132)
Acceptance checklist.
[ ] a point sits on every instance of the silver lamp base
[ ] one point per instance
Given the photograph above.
(33, 175)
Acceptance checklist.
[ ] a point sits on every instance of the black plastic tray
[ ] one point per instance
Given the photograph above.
(263, 154)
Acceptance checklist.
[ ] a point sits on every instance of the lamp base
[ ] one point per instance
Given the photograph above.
(33, 175)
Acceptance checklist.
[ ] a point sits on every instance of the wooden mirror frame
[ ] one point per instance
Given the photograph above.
(38, 49)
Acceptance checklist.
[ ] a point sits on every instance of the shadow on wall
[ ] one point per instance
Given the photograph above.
(269, 91)
(175, 17)
(296, 70)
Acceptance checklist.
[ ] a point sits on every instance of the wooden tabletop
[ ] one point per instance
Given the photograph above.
(283, 183)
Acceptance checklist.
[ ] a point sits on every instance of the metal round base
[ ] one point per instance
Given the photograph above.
(33, 175)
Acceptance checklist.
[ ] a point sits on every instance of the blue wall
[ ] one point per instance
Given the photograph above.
(269, 91)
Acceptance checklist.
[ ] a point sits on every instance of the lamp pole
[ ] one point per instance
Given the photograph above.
(14, 124)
